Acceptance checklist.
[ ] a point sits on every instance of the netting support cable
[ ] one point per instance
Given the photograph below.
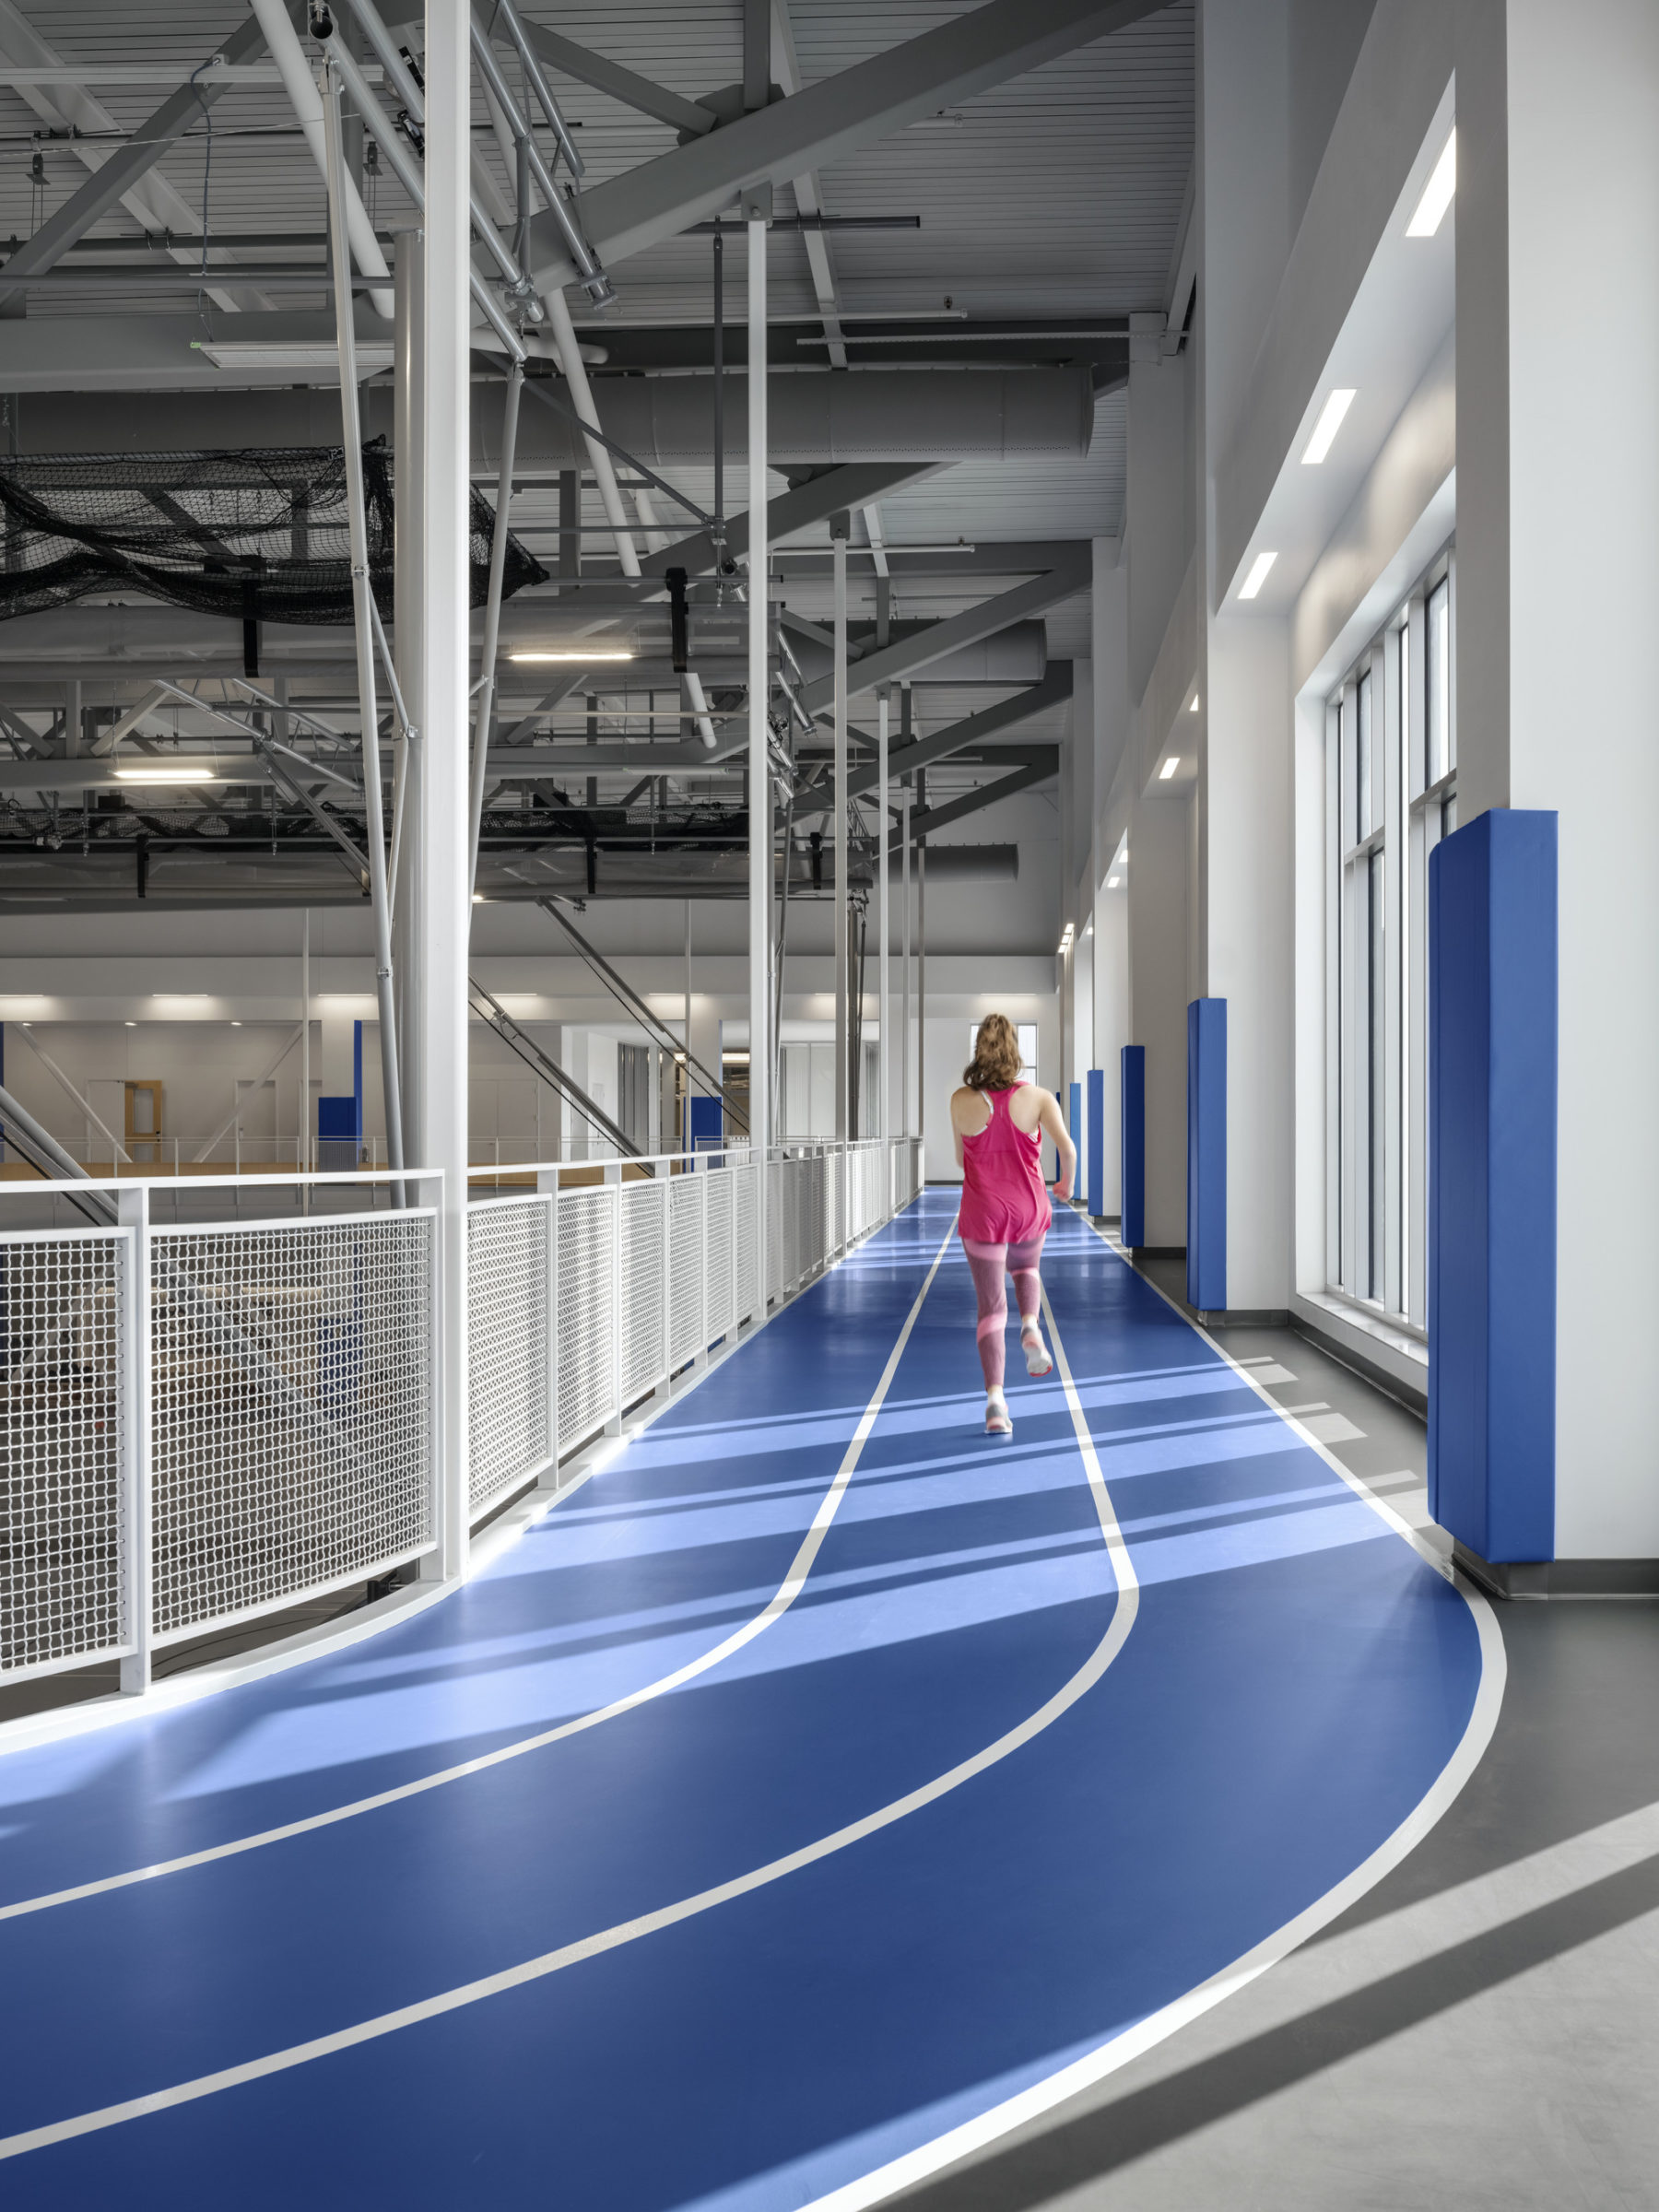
(26, 1030)
(492, 613)
(257, 1085)
(374, 826)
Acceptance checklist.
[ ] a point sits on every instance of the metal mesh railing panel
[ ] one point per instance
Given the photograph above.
(718, 1232)
(746, 1297)
(644, 1286)
(61, 1379)
(685, 1269)
(509, 1384)
(587, 1336)
(290, 1422)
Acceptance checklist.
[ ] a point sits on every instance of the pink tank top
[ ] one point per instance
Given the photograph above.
(1004, 1200)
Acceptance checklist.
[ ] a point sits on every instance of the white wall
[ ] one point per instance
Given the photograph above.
(1558, 581)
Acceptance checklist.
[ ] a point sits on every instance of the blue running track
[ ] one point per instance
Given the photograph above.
(966, 1808)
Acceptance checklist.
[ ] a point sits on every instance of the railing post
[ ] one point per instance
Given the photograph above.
(613, 1175)
(136, 1532)
(702, 1357)
(549, 1186)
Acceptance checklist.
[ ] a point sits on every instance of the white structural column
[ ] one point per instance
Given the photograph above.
(760, 812)
(1558, 575)
(882, 1120)
(906, 1125)
(442, 918)
(408, 419)
(838, 532)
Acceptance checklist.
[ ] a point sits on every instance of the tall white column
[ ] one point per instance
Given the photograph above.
(838, 532)
(882, 1122)
(442, 920)
(408, 461)
(760, 832)
(906, 1124)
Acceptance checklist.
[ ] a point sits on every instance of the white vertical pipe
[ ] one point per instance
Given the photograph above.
(885, 1025)
(409, 461)
(493, 615)
(444, 921)
(843, 950)
(904, 963)
(303, 1148)
(760, 836)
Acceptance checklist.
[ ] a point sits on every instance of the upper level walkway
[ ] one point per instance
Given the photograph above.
(819, 1788)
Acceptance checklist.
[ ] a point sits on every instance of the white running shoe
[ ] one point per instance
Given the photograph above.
(1036, 1352)
(997, 1415)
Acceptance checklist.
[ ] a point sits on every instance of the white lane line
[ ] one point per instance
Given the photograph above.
(944, 2150)
(776, 1606)
(650, 1924)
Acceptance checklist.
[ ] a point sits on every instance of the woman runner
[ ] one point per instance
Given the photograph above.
(1000, 1123)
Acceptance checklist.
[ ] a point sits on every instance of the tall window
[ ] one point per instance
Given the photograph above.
(1392, 796)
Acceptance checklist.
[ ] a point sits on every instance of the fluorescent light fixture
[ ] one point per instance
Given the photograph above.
(1437, 194)
(1326, 427)
(478, 898)
(236, 1025)
(576, 660)
(1257, 576)
(180, 771)
(129, 1025)
(1169, 768)
(1194, 708)
(1111, 883)
(247, 353)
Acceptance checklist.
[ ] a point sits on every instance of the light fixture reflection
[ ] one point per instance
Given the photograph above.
(1437, 194)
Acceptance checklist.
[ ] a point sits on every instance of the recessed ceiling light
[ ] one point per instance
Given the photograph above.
(1257, 576)
(178, 772)
(1437, 194)
(1194, 708)
(1326, 427)
(1169, 768)
(247, 353)
(1111, 883)
(129, 1025)
(579, 660)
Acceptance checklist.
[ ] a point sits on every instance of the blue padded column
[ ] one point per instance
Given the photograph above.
(1206, 1155)
(1492, 1044)
(1096, 1136)
(1133, 1224)
(1073, 1122)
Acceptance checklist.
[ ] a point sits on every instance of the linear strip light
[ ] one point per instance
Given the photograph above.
(1437, 194)
(1257, 576)
(1329, 423)
(1169, 768)
(184, 771)
(579, 660)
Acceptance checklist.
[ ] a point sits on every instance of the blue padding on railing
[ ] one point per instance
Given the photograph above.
(1206, 1155)
(1492, 1060)
(1096, 1136)
(1132, 1227)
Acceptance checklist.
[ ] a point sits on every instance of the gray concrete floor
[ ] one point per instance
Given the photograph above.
(1482, 2029)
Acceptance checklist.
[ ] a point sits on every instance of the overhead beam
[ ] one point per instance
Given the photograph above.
(853, 485)
(623, 85)
(1053, 691)
(974, 802)
(826, 122)
(905, 656)
(118, 175)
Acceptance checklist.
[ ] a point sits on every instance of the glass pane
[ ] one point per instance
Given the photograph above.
(1376, 1071)
(1438, 686)
(1362, 762)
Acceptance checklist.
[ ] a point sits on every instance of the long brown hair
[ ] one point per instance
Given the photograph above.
(996, 1063)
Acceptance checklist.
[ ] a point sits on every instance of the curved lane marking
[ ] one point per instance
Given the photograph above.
(1124, 1609)
(1041, 2097)
(800, 1567)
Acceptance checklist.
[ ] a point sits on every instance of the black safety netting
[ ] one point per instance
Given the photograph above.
(261, 534)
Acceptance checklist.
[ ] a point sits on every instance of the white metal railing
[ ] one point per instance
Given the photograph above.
(206, 1420)
(651, 1264)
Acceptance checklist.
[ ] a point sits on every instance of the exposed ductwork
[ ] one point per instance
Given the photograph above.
(938, 414)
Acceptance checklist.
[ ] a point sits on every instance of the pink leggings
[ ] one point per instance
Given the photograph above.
(987, 1264)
